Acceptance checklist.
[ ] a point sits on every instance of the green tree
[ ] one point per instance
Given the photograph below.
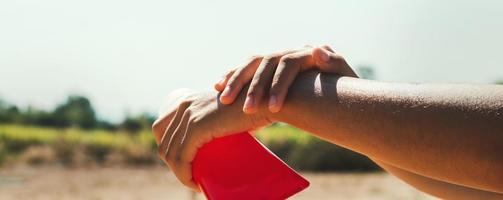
(9, 113)
(134, 124)
(106, 125)
(500, 82)
(3, 112)
(76, 111)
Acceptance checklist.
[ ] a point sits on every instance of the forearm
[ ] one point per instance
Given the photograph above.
(438, 188)
(449, 132)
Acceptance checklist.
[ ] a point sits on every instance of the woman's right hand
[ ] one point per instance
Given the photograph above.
(275, 73)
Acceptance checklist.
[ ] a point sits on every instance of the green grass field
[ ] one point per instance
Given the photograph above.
(75, 147)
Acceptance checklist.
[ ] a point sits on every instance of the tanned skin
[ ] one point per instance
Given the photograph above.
(443, 139)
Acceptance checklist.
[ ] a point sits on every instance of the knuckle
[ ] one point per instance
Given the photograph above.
(268, 60)
(268, 57)
(185, 103)
(255, 58)
(254, 92)
(257, 84)
(287, 59)
(187, 112)
(235, 81)
(230, 71)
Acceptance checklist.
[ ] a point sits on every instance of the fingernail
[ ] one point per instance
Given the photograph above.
(273, 101)
(226, 91)
(249, 103)
(324, 55)
(224, 97)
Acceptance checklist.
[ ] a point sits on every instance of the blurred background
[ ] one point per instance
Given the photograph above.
(81, 81)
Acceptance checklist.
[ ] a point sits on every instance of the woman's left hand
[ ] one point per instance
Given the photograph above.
(196, 121)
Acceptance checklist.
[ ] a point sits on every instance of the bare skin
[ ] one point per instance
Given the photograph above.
(430, 130)
(449, 136)
(438, 188)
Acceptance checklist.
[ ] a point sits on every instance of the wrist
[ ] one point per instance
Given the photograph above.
(304, 98)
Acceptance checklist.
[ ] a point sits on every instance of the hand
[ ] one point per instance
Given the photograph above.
(196, 121)
(275, 73)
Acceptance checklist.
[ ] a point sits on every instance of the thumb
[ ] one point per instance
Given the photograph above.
(328, 61)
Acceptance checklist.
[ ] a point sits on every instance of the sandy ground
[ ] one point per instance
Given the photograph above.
(54, 183)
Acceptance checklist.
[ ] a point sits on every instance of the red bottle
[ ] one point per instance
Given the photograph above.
(238, 167)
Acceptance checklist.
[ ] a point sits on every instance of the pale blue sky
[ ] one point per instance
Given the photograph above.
(120, 53)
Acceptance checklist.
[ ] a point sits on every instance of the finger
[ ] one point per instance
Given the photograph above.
(181, 167)
(332, 62)
(160, 125)
(260, 83)
(221, 84)
(288, 68)
(177, 137)
(188, 149)
(262, 79)
(328, 48)
(170, 129)
(242, 76)
(238, 79)
(190, 183)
